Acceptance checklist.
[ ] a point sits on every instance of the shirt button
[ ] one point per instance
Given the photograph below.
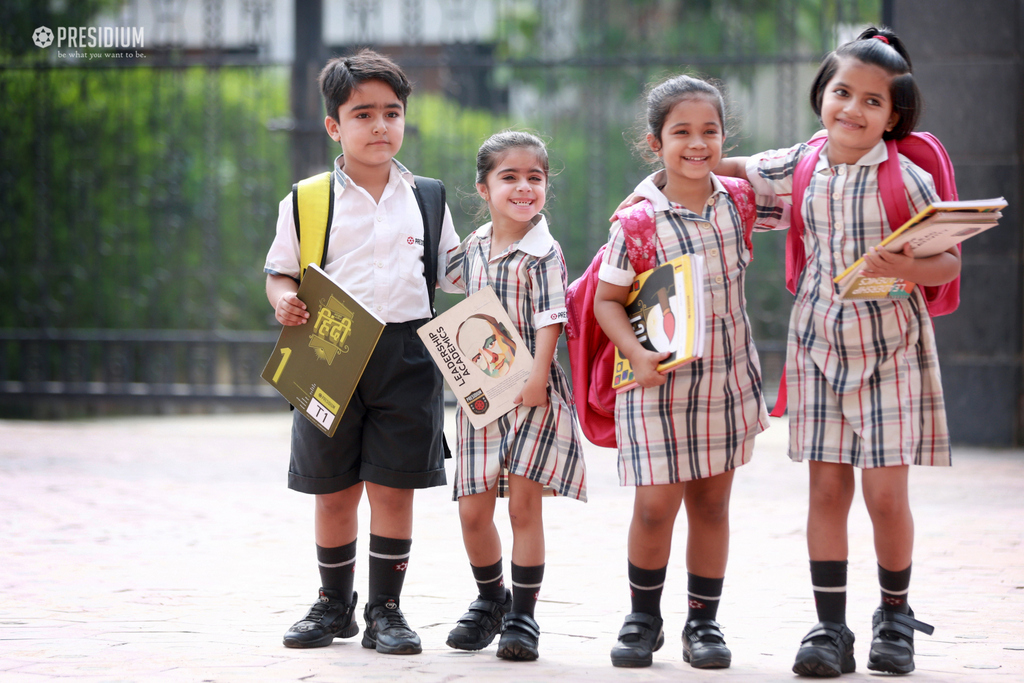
(837, 195)
(837, 256)
(718, 279)
(380, 218)
(714, 252)
(379, 307)
(841, 170)
(711, 200)
(380, 264)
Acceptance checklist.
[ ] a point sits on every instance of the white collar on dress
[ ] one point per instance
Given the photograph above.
(537, 242)
(875, 155)
(650, 188)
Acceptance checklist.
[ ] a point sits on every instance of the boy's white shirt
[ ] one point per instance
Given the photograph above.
(373, 251)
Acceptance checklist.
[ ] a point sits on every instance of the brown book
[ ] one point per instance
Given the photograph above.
(317, 365)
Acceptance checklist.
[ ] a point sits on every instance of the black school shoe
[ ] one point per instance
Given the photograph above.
(387, 631)
(704, 645)
(640, 637)
(826, 651)
(892, 642)
(520, 636)
(478, 627)
(328, 618)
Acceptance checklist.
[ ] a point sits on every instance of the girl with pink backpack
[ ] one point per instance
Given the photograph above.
(863, 375)
(681, 436)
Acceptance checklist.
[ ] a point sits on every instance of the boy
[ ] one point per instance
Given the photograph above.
(389, 440)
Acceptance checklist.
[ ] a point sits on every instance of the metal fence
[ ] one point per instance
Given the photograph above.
(138, 196)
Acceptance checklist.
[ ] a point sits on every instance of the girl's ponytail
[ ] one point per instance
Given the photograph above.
(887, 36)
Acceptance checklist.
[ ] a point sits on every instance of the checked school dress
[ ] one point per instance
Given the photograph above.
(541, 443)
(703, 420)
(862, 376)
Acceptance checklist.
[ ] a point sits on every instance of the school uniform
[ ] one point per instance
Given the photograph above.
(703, 420)
(863, 377)
(391, 432)
(541, 443)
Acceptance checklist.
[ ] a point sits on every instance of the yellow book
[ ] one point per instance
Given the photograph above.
(317, 365)
(933, 230)
(666, 309)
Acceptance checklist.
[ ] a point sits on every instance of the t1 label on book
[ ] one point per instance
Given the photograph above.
(320, 414)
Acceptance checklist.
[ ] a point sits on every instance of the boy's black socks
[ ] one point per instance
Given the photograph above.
(490, 582)
(702, 596)
(337, 569)
(526, 587)
(645, 588)
(389, 558)
(828, 579)
(895, 587)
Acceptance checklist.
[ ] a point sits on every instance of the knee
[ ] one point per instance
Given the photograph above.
(474, 520)
(886, 505)
(830, 494)
(524, 512)
(654, 514)
(709, 510)
(340, 503)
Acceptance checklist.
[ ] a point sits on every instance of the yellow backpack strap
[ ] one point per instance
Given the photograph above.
(313, 209)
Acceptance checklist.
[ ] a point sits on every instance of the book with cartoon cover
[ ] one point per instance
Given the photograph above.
(317, 365)
(933, 230)
(666, 309)
(481, 355)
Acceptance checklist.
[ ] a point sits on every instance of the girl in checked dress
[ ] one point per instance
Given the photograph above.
(682, 435)
(536, 449)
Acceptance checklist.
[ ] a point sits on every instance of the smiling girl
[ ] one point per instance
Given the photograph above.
(536, 449)
(863, 376)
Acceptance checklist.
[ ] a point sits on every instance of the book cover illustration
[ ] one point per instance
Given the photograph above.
(666, 309)
(933, 230)
(481, 356)
(317, 365)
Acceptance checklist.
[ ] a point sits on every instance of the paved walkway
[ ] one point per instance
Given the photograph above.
(169, 549)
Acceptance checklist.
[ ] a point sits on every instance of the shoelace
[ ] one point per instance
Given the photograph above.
(395, 619)
(317, 611)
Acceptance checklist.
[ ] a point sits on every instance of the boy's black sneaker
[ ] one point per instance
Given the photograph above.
(329, 617)
(387, 631)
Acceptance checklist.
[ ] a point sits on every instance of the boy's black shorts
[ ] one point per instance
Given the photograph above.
(391, 432)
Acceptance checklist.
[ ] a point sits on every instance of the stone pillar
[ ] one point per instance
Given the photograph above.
(968, 63)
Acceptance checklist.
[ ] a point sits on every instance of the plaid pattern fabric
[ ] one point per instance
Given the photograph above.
(863, 377)
(703, 420)
(542, 443)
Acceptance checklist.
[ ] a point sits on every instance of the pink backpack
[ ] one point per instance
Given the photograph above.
(925, 150)
(591, 354)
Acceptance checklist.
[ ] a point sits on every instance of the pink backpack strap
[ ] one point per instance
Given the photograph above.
(746, 204)
(796, 258)
(641, 232)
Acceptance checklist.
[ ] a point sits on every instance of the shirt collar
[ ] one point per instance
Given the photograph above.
(650, 188)
(537, 242)
(341, 178)
(872, 157)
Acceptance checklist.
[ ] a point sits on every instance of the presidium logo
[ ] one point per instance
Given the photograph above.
(91, 36)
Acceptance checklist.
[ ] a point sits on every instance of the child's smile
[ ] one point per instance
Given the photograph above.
(856, 110)
(690, 145)
(515, 189)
